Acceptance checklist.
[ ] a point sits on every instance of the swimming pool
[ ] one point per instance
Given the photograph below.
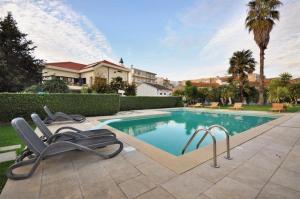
(170, 132)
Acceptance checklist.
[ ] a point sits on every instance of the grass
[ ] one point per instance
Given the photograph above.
(290, 109)
(3, 178)
(8, 137)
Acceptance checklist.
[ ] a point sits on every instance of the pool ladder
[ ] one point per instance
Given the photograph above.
(208, 132)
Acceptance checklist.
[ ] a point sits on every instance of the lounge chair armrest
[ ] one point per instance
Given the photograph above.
(76, 146)
(62, 115)
(68, 128)
(71, 135)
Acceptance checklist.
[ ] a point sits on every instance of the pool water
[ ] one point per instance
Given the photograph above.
(170, 132)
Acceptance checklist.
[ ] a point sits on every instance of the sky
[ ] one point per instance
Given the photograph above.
(176, 39)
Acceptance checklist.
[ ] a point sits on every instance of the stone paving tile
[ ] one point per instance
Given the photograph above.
(56, 168)
(213, 174)
(275, 191)
(20, 189)
(136, 158)
(186, 186)
(203, 196)
(156, 172)
(7, 156)
(229, 188)
(70, 188)
(9, 148)
(292, 162)
(287, 178)
(251, 175)
(120, 170)
(157, 193)
(136, 186)
(268, 159)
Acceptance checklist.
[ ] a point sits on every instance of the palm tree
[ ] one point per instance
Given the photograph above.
(260, 20)
(285, 78)
(241, 64)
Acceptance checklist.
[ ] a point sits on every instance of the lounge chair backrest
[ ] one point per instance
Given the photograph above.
(34, 143)
(41, 125)
(49, 113)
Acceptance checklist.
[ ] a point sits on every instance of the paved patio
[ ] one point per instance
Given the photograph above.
(267, 166)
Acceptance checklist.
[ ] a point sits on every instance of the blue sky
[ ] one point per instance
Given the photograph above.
(178, 39)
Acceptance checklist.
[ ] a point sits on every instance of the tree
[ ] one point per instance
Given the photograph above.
(285, 78)
(117, 84)
(260, 20)
(130, 90)
(100, 85)
(241, 64)
(55, 85)
(294, 92)
(18, 67)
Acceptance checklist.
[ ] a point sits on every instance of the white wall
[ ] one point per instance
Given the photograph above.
(147, 90)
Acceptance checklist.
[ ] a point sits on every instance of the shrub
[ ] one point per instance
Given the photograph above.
(130, 90)
(100, 85)
(86, 89)
(22, 105)
(55, 85)
(141, 102)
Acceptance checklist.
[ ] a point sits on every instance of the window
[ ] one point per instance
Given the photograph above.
(160, 93)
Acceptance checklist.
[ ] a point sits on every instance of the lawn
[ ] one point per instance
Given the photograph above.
(291, 108)
(8, 137)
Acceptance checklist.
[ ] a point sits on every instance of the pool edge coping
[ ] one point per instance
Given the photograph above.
(181, 164)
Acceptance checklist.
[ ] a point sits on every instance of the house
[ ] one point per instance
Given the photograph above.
(150, 89)
(138, 76)
(164, 82)
(76, 74)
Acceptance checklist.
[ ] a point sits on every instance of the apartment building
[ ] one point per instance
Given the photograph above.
(138, 76)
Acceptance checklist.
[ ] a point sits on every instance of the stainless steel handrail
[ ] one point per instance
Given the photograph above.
(215, 164)
(208, 131)
(192, 138)
(227, 139)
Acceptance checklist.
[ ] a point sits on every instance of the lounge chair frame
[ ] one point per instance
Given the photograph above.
(42, 150)
(60, 116)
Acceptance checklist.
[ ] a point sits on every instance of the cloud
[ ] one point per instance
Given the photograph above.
(283, 51)
(59, 33)
(212, 56)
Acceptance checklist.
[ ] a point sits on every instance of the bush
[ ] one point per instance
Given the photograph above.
(130, 90)
(22, 105)
(135, 103)
(55, 85)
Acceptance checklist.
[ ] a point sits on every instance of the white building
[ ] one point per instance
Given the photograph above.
(138, 76)
(149, 89)
(76, 74)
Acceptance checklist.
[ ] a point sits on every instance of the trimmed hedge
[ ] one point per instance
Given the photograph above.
(22, 105)
(143, 102)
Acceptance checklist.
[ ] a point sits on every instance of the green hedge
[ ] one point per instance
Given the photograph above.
(137, 102)
(22, 105)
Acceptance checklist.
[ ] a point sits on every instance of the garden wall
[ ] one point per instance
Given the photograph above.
(22, 105)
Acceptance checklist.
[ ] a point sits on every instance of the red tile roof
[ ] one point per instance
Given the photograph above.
(104, 62)
(203, 84)
(68, 65)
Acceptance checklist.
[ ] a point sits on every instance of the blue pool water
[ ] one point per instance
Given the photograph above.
(171, 132)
